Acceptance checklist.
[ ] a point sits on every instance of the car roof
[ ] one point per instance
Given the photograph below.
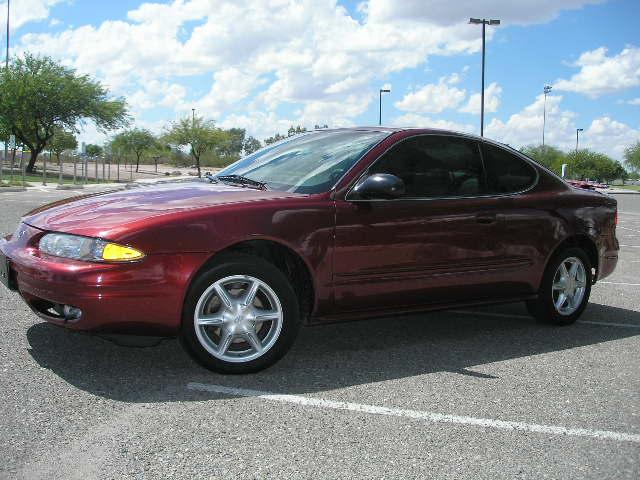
(404, 129)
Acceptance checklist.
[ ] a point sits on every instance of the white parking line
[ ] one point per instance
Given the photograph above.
(609, 324)
(630, 246)
(431, 417)
(627, 228)
(515, 315)
(620, 283)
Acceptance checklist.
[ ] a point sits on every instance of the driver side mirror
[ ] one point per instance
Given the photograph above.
(380, 186)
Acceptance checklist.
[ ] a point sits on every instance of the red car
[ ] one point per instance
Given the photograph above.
(326, 226)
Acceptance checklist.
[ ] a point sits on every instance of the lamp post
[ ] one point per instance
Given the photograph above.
(546, 90)
(6, 58)
(382, 90)
(578, 130)
(6, 69)
(484, 22)
(193, 117)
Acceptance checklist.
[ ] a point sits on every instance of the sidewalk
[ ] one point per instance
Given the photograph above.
(617, 191)
(140, 182)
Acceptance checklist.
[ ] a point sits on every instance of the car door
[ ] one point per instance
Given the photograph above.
(440, 242)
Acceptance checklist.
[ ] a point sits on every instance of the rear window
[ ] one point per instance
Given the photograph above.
(506, 172)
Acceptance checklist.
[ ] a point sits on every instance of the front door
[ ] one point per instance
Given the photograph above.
(441, 242)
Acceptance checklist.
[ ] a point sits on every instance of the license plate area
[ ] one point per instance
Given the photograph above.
(5, 272)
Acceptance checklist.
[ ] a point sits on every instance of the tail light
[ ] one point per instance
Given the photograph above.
(615, 218)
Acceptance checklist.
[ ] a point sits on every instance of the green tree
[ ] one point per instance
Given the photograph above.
(62, 141)
(632, 157)
(198, 134)
(585, 164)
(545, 155)
(290, 133)
(232, 148)
(38, 94)
(295, 130)
(137, 141)
(276, 138)
(251, 144)
(93, 150)
(4, 130)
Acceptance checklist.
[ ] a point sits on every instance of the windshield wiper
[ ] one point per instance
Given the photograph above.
(241, 180)
(210, 177)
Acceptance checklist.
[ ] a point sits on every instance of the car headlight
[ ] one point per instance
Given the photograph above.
(86, 248)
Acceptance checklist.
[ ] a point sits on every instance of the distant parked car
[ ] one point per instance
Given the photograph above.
(581, 184)
(326, 226)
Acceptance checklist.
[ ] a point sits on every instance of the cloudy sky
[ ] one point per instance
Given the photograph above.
(264, 65)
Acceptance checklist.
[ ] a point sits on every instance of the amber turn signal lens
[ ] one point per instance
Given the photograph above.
(115, 252)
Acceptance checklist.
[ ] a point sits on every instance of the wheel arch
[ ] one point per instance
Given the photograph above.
(585, 243)
(283, 257)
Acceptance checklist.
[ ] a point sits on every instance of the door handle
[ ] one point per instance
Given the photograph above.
(486, 219)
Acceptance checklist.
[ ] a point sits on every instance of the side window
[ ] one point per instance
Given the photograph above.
(506, 173)
(434, 166)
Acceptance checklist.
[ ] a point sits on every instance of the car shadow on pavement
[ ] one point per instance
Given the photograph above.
(325, 357)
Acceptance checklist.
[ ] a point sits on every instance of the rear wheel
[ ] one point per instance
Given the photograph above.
(240, 316)
(565, 289)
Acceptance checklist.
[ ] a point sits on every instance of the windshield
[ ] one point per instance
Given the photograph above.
(309, 163)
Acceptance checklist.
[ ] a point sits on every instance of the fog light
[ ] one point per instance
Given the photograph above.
(71, 313)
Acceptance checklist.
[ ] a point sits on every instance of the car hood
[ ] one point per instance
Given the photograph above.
(109, 214)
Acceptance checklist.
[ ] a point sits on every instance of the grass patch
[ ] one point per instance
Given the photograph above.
(8, 183)
(629, 187)
(30, 178)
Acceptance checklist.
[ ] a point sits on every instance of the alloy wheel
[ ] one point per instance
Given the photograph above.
(238, 318)
(569, 286)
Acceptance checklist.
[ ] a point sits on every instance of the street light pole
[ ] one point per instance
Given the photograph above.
(6, 58)
(578, 130)
(546, 90)
(382, 90)
(193, 117)
(6, 69)
(484, 22)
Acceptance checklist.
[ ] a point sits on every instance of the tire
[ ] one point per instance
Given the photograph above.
(544, 309)
(229, 335)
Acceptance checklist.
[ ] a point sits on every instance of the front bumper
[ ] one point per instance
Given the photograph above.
(143, 297)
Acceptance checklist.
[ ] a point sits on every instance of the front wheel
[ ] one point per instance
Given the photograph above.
(565, 289)
(240, 316)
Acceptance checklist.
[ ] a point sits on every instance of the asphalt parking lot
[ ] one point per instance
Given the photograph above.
(482, 393)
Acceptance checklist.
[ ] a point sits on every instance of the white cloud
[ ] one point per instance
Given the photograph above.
(609, 136)
(259, 124)
(634, 101)
(345, 85)
(600, 74)
(230, 86)
(446, 12)
(25, 11)
(433, 97)
(421, 121)
(322, 56)
(491, 100)
(156, 93)
(525, 127)
(309, 57)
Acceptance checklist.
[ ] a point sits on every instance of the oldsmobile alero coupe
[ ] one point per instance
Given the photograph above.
(326, 226)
